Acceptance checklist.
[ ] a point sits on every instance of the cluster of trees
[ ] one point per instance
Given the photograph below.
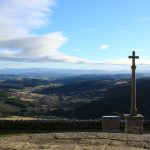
(75, 88)
(16, 106)
(22, 83)
(116, 101)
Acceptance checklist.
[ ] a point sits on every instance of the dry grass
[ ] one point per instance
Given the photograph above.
(17, 118)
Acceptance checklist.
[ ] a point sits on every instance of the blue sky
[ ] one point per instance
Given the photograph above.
(75, 34)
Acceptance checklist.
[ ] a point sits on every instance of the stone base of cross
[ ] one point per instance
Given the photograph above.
(134, 124)
(133, 121)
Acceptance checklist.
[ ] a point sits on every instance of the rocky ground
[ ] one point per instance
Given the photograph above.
(75, 141)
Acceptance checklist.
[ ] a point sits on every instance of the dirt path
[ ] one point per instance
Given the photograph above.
(75, 141)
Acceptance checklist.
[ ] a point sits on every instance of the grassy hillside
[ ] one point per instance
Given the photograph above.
(84, 97)
(102, 97)
(118, 102)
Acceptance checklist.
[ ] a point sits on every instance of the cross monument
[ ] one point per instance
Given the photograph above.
(133, 109)
(133, 121)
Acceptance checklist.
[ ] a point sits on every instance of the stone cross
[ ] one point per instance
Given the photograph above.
(133, 109)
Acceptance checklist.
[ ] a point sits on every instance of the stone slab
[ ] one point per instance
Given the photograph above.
(110, 123)
(134, 124)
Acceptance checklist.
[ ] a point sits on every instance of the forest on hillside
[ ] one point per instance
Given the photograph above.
(75, 97)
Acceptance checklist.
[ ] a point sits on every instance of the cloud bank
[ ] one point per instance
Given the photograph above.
(18, 18)
(17, 42)
(37, 49)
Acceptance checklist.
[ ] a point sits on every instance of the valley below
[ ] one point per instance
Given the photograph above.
(86, 96)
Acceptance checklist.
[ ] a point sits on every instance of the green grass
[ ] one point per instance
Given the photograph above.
(8, 108)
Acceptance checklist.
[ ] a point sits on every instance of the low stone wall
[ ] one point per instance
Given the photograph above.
(146, 125)
(50, 125)
(58, 125)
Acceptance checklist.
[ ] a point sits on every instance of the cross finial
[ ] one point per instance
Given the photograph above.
(133, 57)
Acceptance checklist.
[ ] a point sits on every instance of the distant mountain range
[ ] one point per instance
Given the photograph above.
(60, 71)
(56, 73)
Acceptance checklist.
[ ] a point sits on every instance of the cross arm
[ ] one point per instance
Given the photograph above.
(135, 57)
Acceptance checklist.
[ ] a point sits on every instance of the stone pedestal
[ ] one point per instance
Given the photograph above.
(110, 123)
(134, 124)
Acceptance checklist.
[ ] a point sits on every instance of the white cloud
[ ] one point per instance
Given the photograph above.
(104, 46)
(38, 49)
(19, 17)
(18, 43)
(45, 49)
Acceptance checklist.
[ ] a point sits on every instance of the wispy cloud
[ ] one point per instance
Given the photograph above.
(38, 49)
(104, 46)
(18, 18)
(18, 43)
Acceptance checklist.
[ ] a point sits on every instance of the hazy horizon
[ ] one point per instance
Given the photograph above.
(68, 71)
